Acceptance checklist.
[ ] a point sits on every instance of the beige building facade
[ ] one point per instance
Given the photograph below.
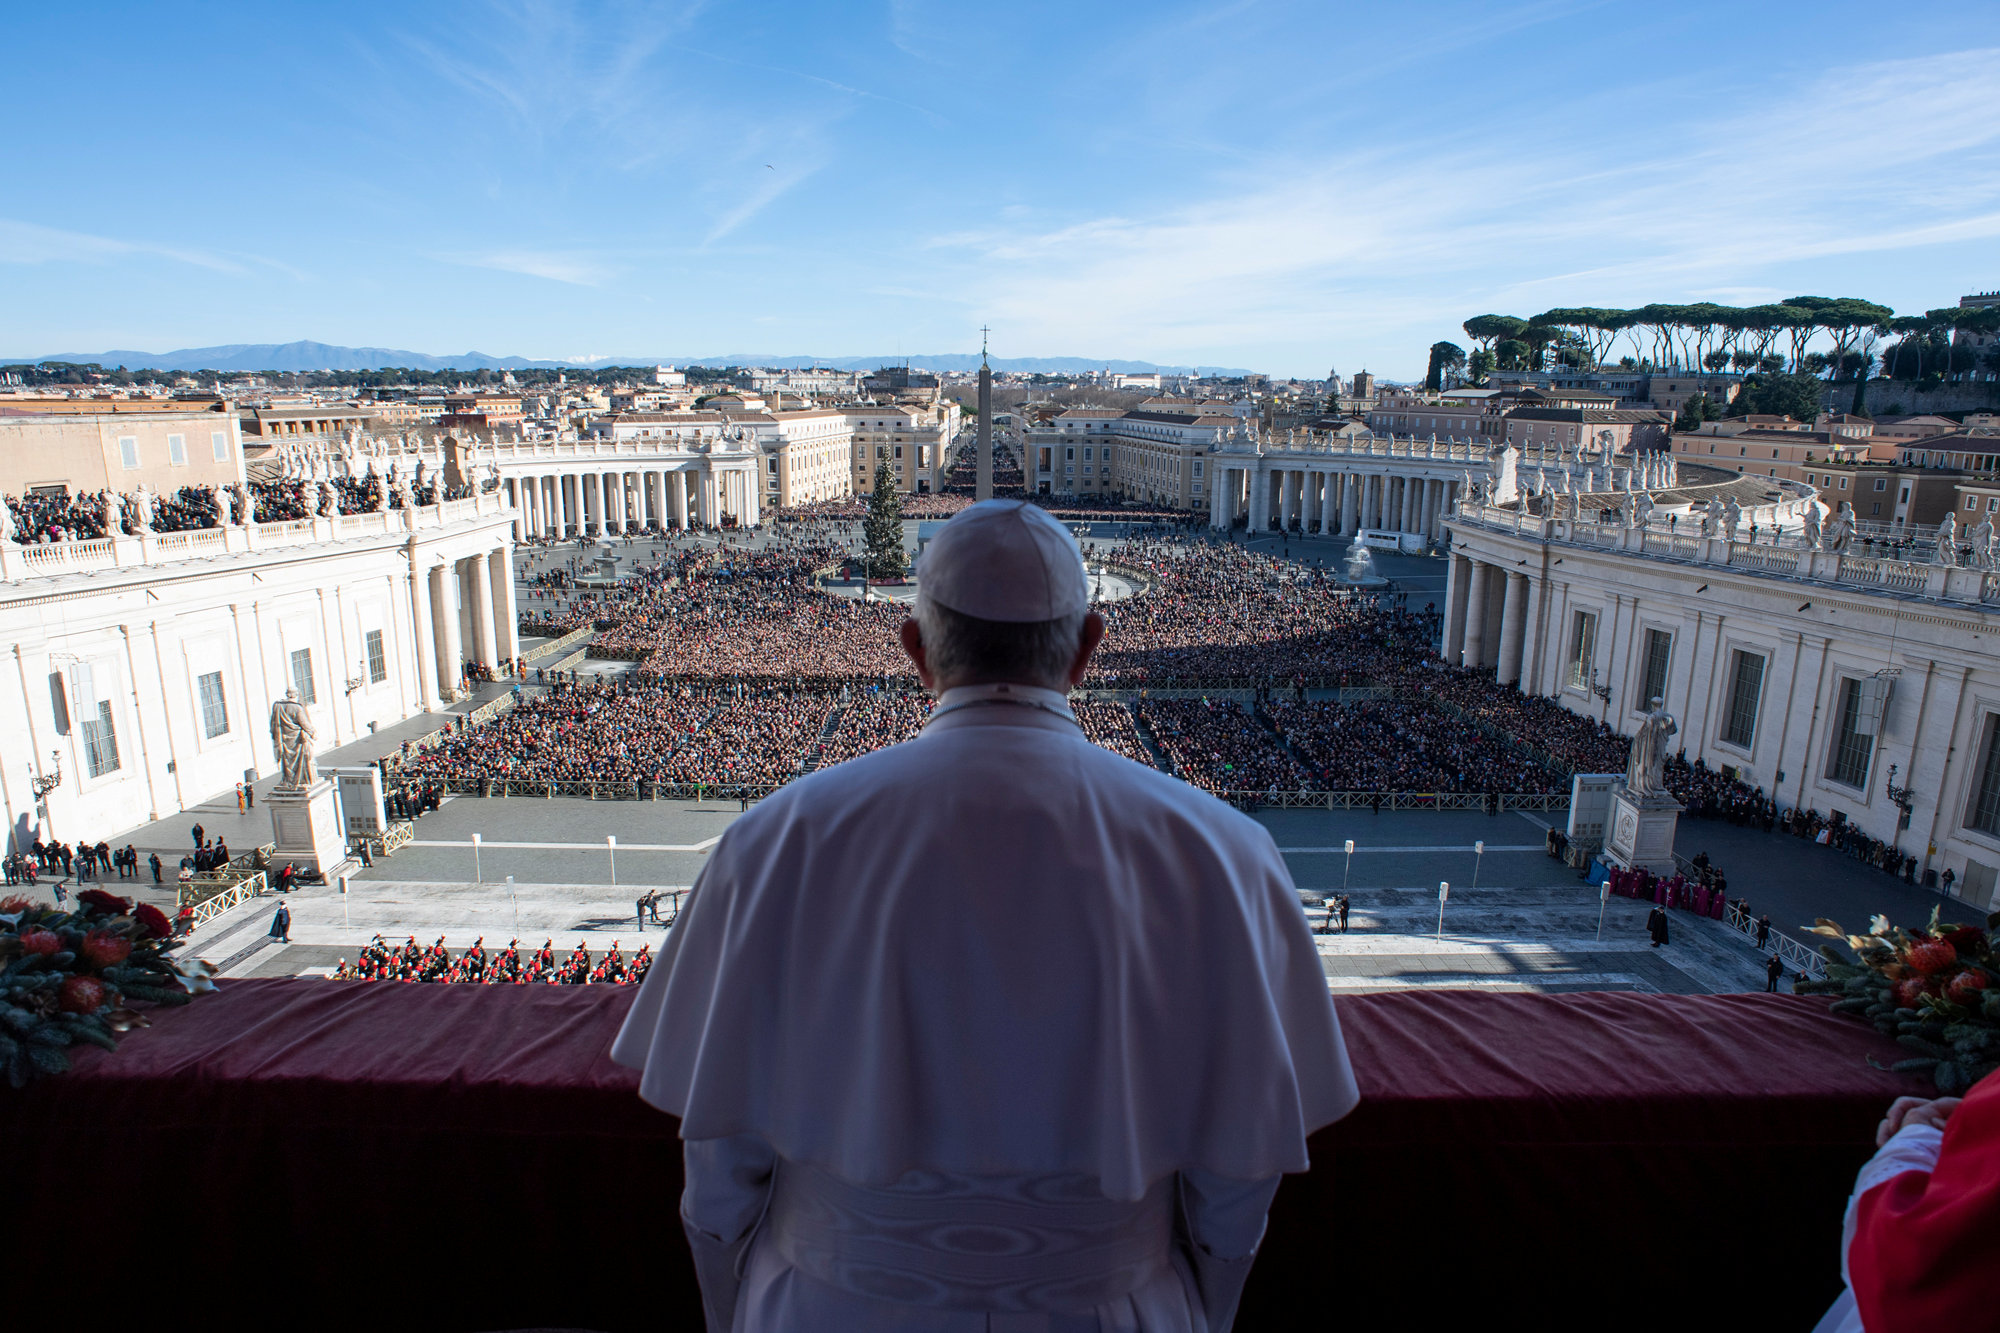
(86, 452)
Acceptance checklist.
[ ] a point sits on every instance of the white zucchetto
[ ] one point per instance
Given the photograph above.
(1005, 560)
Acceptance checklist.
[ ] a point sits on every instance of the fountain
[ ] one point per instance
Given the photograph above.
(1358, 570)
(603, 572)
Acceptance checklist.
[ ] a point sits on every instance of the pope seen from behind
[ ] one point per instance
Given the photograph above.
(993, 1028)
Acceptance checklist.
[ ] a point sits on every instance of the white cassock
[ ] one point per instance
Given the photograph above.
(990, 1030)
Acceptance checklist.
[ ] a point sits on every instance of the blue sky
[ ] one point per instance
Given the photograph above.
(1286, 186)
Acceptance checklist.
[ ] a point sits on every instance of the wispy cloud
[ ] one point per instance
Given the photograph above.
(1441, 230)
(32, 243)
(578, 270)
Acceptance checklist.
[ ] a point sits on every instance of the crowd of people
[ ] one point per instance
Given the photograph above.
(64, 517)
(1219, 745)
(410, 962)
(1390, 745)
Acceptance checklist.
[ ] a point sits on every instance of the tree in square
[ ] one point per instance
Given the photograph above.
(882, 531)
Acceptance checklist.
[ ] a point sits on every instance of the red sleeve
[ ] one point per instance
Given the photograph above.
(1925, 1244)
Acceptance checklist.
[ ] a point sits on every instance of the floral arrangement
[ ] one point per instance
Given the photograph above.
(71, 975)
(1936, 991)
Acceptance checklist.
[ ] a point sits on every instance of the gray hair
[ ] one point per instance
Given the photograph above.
(962, 648)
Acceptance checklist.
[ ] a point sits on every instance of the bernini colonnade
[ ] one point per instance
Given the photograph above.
(1342, 487)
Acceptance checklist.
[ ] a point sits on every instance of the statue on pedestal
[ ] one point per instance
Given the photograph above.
(292, 737)
(1980, 535)
(1732, 518)
(142, 509)
(224, 502)
(248, 503)
(1947, 543)
(1645, 767)
(1809, 530)
(1836, 534)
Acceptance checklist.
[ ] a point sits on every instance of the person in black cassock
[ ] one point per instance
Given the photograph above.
(1774, 967)
(1656, 926)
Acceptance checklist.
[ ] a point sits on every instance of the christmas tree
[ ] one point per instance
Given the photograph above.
(883, 528)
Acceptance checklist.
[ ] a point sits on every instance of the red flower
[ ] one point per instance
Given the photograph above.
(1932, 956)
(1965, 987)
(43, 942)
(102, 949)
(105, 902)
(153, 921)
(1908, 990)
(13, 903)
(1966, 939)
(83, 995)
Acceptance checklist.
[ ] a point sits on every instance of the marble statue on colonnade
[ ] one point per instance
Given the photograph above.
(1947, 542)
(247, 504)
(1980, 537)
(1809, 529)
(224, 503)
(142, 509)
(1642, 510)
(1840, 530)
(329, 503)
(1732, 518)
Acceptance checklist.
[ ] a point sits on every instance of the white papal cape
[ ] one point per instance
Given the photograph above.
(991, 1029)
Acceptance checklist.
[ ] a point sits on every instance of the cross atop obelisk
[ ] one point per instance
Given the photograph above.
(982, 467)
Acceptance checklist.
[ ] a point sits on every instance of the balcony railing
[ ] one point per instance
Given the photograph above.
(1909, 578)
(52, 559)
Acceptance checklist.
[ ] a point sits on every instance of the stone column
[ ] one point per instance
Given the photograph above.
(425, 636)
(1475, 616)
(709, 502)
(677, 499)
(1287, 495)
(506, 618)
(1452, 645)
(1347, 504)
(1412, 488)
(1513, 624)
(444, 618)
(485, 642)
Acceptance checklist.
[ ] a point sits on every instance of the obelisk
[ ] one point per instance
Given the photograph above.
(982, 488)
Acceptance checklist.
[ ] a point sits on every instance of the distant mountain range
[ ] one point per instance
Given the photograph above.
(302, 356)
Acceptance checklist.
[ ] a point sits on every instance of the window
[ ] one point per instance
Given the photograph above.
(1070, 452)
(1197, 467)
(1848, 764)
(128, 450)
(1972, 502)
(378, 660)
(1086, 453)
(1746, 682)
(302, 675)
(100, 739)
(177, 450)
(1904, 498)
(1881, 483)
(1843, 483)
(218, 440)
(1659, 656)
(1985, 813)
(100, 732)
(214, 709)
(1582, 648)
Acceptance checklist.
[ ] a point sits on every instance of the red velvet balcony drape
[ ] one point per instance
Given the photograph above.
(326, 1154)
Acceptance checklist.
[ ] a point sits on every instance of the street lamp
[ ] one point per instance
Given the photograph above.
(1478, 858)
(1902, 797)
(44, 784)
(1346, 867)
(1444, 892)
